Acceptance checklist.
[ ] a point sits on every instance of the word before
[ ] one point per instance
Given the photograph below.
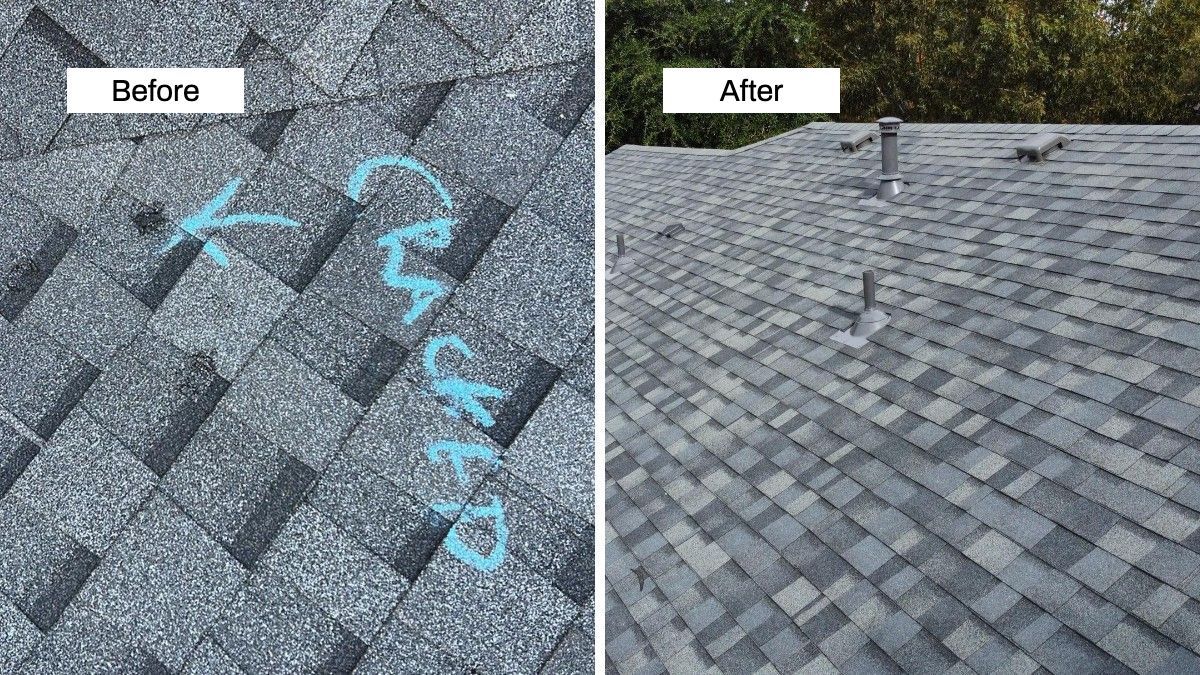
(749, 91)
(155, 91)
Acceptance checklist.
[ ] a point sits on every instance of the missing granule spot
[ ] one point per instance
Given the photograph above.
(21, 273)
(150, 219)
(202, 369)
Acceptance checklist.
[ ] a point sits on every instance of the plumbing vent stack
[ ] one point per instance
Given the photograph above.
(622, 262)
(890, 181)
(869, 321)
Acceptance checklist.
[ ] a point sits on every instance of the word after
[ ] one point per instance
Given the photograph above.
(749, 91)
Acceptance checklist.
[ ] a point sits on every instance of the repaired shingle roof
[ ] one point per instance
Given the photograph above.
(226, 469)
(1006, 477)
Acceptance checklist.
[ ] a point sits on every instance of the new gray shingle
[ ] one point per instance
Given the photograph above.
(1028, 411)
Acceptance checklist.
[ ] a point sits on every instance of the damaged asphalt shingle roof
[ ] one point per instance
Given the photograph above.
(207, 469)
(1006, 477)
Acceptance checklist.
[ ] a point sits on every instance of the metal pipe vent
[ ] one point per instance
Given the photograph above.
(622, 262)
(670, 231)
(891, 183)
(869, 321)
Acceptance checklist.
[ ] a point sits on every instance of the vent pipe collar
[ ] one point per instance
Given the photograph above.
(891, 183)
(869, 321)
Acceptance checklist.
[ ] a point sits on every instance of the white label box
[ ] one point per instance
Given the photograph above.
(156, 90)
(752, 90)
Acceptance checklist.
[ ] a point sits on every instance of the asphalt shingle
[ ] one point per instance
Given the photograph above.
(220, 450)
(1007, 460)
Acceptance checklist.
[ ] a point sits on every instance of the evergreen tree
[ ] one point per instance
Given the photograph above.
(645, 36)
(1082, 61)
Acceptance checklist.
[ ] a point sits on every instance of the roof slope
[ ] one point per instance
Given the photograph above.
(224, 469)
(1006, 476)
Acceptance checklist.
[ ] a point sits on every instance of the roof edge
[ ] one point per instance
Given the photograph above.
(718, 152)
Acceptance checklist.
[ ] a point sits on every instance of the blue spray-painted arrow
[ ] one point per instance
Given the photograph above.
(206, 219)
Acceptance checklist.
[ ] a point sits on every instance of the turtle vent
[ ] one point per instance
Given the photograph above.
(1035, 148)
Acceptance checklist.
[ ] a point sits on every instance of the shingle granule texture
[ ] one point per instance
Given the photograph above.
(214, 451)
(1006, 478)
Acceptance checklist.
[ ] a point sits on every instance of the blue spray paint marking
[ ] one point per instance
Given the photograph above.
(206, 219)
(458, 453)
(359, 179)
(463, 394)
(428, 234)
(469, 514)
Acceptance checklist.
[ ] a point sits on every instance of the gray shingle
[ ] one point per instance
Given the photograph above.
(349, 582)
(222, 312)
(215, 445)
(534, 287)
(1032, 385)
(291, 406)
(519, 619)
(163, 583)
(270, 625)
(85, 481)
(496, 146)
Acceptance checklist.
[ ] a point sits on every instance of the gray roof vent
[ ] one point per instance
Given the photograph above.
(855, 142)
(891, 183)
(670, 231)
(1037, 146)
(869, 321)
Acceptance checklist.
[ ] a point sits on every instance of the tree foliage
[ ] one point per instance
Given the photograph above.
(1084, 61)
